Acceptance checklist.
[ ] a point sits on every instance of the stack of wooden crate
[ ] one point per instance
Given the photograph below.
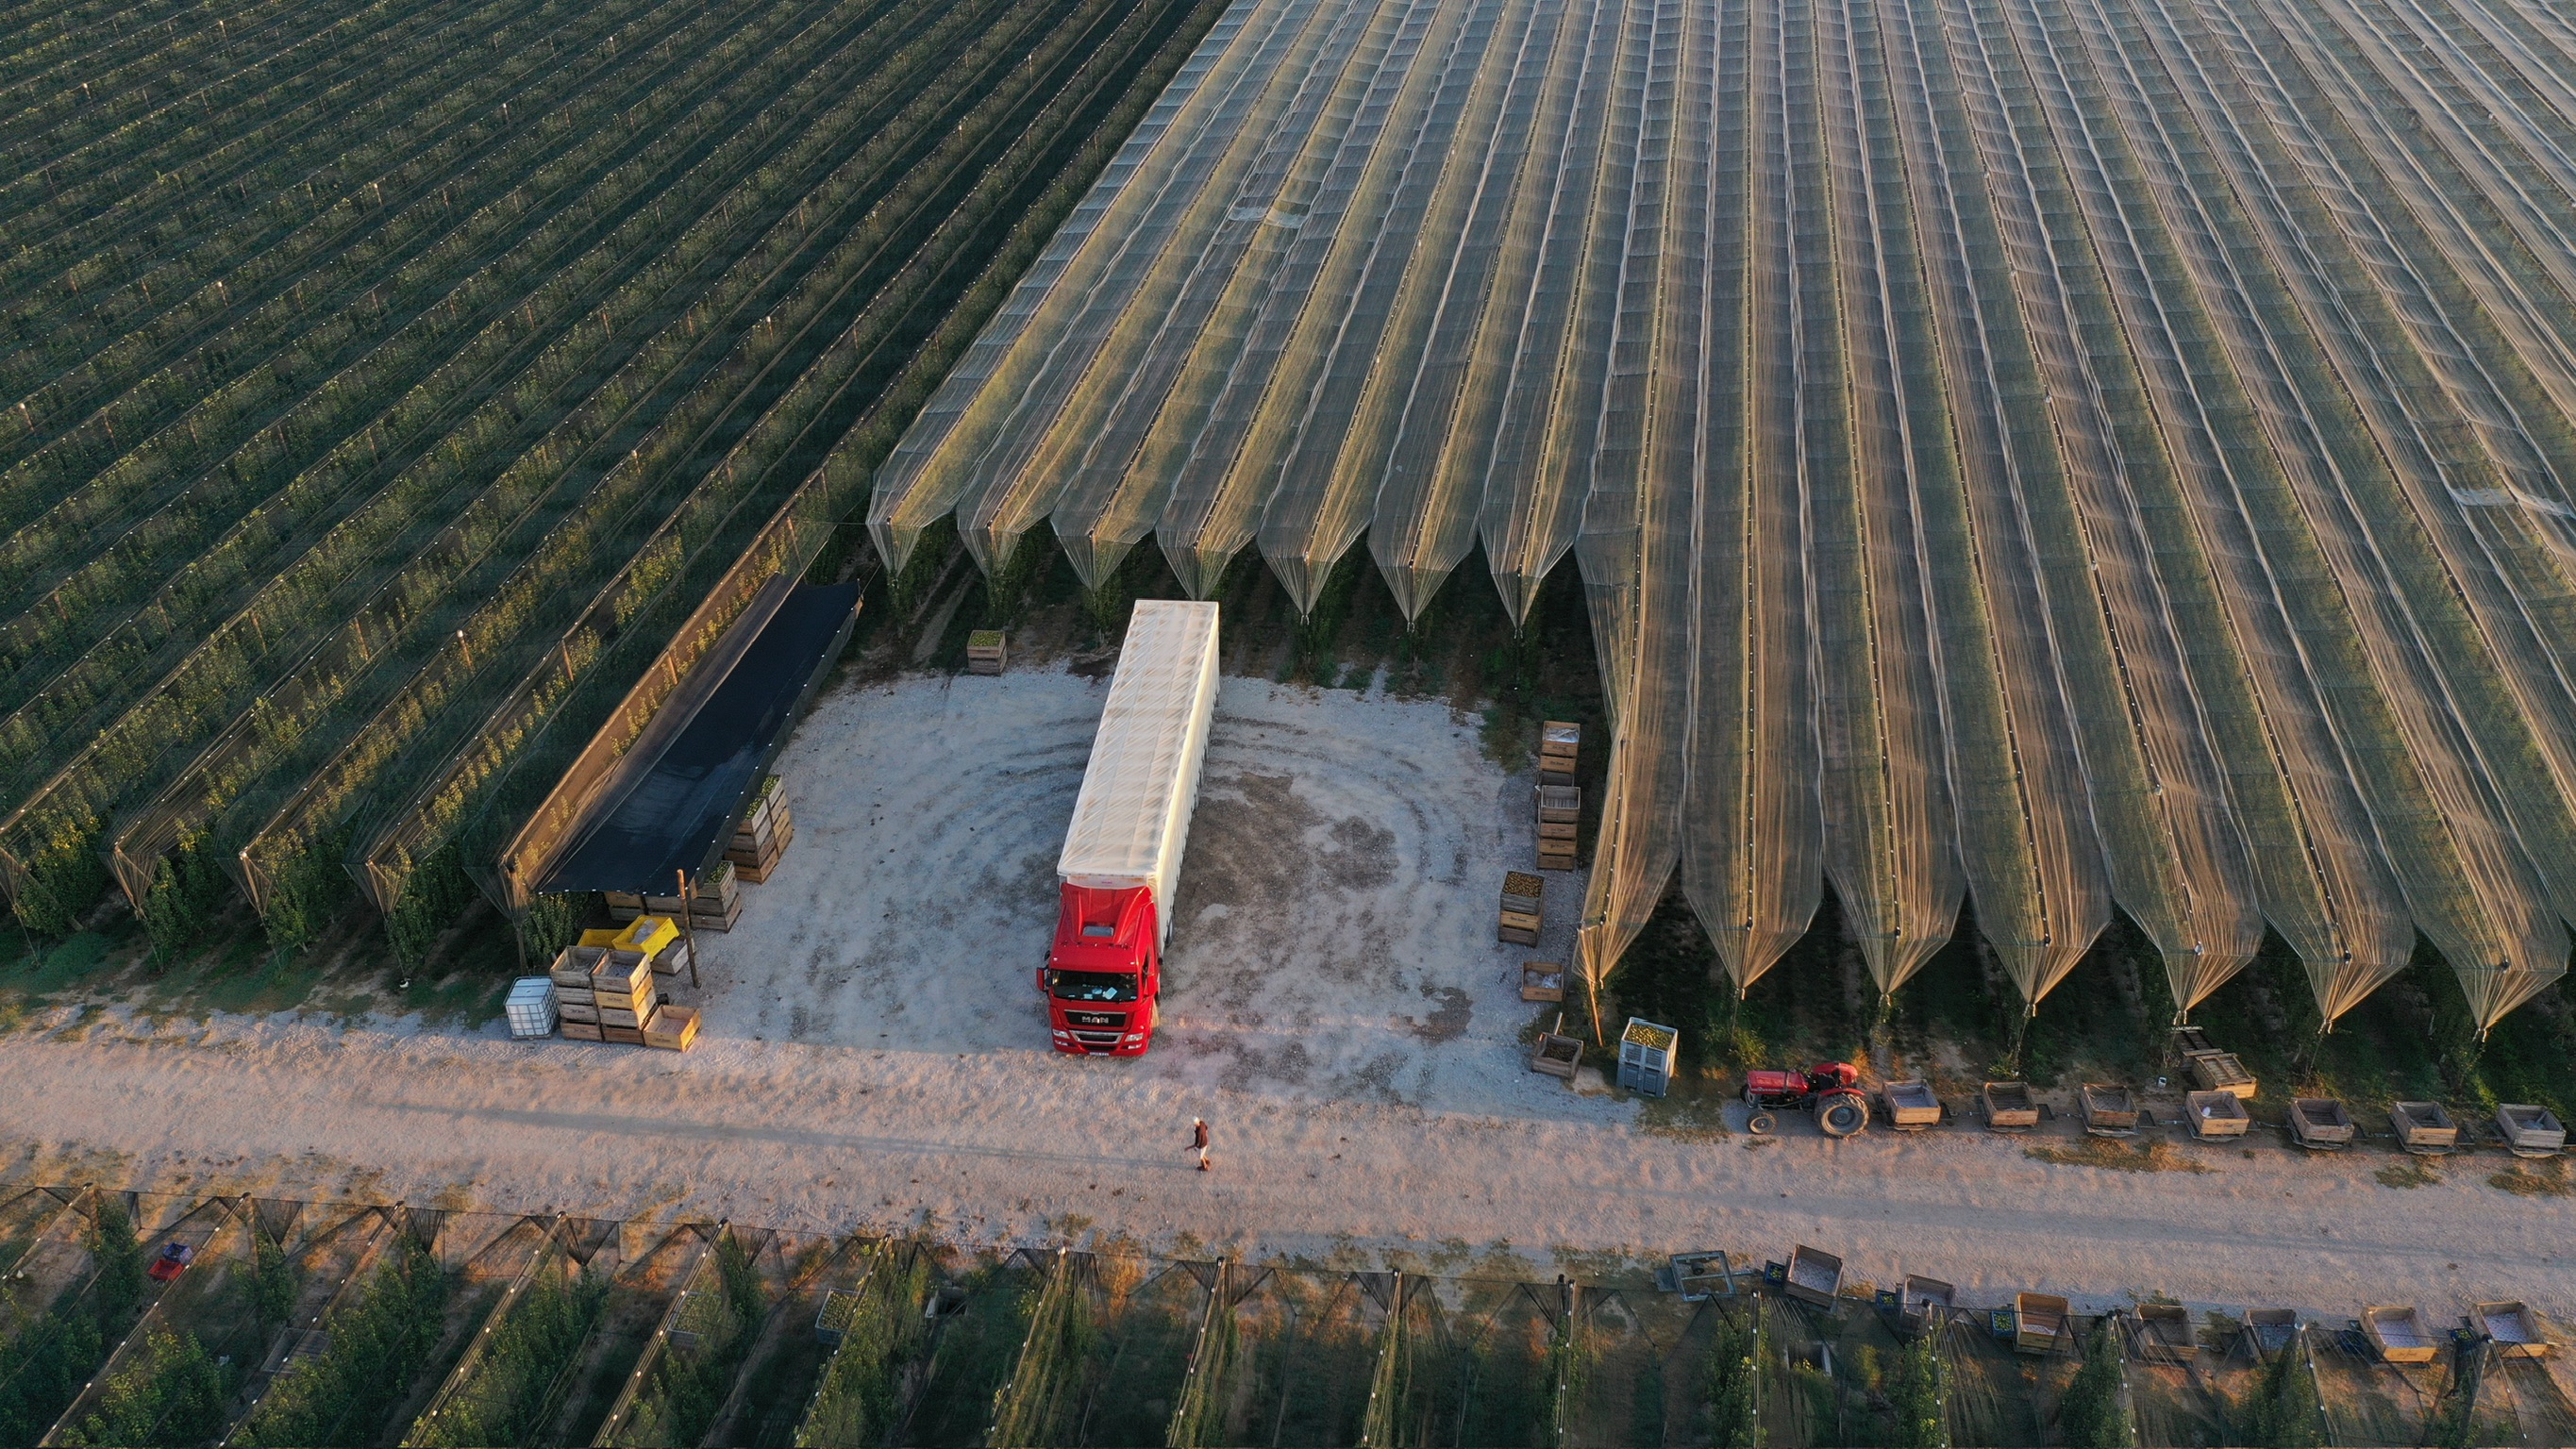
(576, 1009)
(1558, 743)
(621, 986)
(2215, 1070)
(984, 652)
(1560, 810)
(1520, 914)
(713, 905)
(763, 835)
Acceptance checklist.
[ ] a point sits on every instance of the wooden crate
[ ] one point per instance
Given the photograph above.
(2400, 1334)
(1910, 1105)
(2040, 1323)
(2423, 1128)
(2215, 1115)
(1922, 1305)
(2320, 1122)
(1557, 1055)
(2514, 1330)
(2218, 1071)
(1558, 746)
(1554, 830)
(580, 1011)
(753, 858)
(713, 894)
(1814, 1276)
(2110, 1110)
(580, 1030)
(574, 964)
(1515, 936)
(985, 649)
(1560, 805)
(622, 973)
(2165, 1334)
(2530, 1131)
(673, 1028)
(623, 907)
(621, 1016)
(712, 916)
(750, 846)
(1542, 981)
(621, 1035)
(2009, 1106)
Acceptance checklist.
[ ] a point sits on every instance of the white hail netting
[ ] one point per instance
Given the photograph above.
(2049, 454)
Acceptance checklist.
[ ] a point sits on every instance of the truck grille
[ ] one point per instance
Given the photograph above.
(1097, 1018)
(1096, 1041)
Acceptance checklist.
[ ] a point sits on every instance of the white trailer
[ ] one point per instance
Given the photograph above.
(1133, 816)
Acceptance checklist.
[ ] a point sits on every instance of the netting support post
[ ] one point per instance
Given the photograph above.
(689, 926)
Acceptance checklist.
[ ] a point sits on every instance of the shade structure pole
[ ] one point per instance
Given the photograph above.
(688, 925)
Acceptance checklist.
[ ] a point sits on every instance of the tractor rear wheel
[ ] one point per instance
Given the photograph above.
(1760, 1124)
(1840, 1114)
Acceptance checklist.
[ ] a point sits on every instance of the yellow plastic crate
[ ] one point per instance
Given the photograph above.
(648, 934)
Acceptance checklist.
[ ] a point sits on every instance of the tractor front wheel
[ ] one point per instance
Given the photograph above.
(1760, 1124)
(1841, 1114)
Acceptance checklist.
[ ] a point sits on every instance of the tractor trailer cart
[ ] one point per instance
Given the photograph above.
(1122, 856)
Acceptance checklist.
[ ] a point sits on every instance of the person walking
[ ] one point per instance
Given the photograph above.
(1199, 1139)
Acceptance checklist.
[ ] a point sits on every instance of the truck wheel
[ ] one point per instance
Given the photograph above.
(1842, 1114)
(1760, 1124)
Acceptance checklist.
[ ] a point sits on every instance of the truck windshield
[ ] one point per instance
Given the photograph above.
(1092, 985)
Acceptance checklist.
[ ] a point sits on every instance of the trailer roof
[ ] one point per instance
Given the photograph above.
(1165, 668)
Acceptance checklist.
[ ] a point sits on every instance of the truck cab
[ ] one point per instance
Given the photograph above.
(1104, 971)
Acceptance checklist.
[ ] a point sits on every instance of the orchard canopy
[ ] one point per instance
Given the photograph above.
(2051, 454)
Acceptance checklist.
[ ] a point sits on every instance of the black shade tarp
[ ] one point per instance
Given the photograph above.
(673, 802)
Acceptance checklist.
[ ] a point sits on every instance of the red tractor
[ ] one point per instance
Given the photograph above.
(1830, 1089)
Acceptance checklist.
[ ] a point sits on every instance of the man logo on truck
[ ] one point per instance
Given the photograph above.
(1122, 854)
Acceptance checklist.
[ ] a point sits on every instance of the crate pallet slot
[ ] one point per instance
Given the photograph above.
(1558, 747)
(621, 986)
(1521, 916)
(1560, 811)
(763, 836)
(575, 1004)
(985, 651)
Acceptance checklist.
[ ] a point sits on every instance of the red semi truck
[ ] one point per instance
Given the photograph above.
(1122, 854)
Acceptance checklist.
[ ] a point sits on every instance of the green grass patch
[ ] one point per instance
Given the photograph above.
(2523, 1182)
(2411, 1172)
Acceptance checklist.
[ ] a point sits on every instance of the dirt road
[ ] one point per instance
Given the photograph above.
(874, 1054)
